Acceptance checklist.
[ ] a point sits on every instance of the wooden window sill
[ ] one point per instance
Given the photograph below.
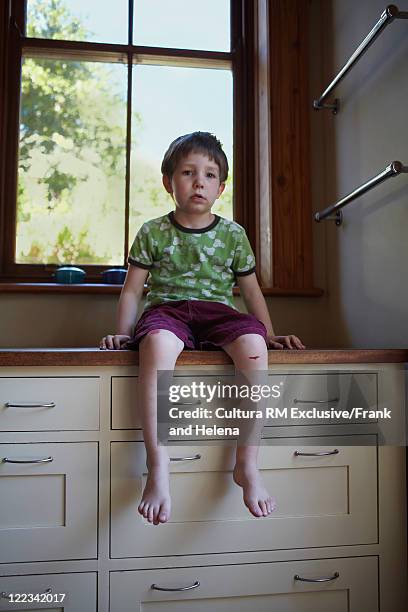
(98, 288)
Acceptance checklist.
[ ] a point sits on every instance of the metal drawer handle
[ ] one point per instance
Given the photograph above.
(328, 401)
(194, 458)
(319, 454)
(29, 405)
(4, 595)
(328, 579)
(45, 460)
(187, 588)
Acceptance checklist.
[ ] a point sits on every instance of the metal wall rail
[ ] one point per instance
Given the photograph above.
(393, 169)
(390, 13)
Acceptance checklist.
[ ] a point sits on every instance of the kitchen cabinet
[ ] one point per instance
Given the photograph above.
(73, 467)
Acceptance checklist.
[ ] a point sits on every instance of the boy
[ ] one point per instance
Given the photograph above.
(193, 257)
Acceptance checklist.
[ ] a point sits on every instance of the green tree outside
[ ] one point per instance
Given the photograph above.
(72, 155)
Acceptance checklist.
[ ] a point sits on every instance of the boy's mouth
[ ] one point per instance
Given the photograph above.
(197, 196)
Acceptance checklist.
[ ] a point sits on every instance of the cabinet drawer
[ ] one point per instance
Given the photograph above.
(79, 590)
(326, 500)
(262, 587)
(125, 413)
(48, 509)
(47, 404)
(340, 391)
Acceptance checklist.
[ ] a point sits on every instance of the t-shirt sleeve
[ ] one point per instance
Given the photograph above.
(140, 253)
(244, 258)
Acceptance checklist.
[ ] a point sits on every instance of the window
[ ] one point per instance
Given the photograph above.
(92, 93)
(96, 94)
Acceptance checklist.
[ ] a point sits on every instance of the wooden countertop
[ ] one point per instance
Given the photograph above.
(96, 357)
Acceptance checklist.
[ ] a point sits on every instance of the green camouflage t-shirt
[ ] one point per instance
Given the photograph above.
(191, 264)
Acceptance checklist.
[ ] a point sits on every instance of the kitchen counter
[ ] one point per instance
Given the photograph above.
(95, 357)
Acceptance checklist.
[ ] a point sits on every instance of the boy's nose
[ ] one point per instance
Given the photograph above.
(198, 182)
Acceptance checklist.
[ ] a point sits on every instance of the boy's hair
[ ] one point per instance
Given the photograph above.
(202, 142)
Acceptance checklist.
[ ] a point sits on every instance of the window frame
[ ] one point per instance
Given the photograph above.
(271, 141)
(16, 45)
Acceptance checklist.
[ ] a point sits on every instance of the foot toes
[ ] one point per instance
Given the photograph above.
(263, 508)
(155, 515)
(150, 514)
(253, 507)
(155, 512)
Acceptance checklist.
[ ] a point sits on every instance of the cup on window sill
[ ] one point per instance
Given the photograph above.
(69, 275)
(114, 276)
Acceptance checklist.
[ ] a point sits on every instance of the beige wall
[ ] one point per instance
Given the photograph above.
(80, 320)
(367, 256)
(361, 265)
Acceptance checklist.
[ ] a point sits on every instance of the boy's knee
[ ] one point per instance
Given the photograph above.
(163, 339)
(252, 347)
(254, 342)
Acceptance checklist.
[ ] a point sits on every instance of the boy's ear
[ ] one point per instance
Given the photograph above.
(167, 184)
(221, 189)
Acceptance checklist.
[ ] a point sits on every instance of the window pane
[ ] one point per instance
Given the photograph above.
(184, 24)
(185, 100)
(90, 20)
(71, 163)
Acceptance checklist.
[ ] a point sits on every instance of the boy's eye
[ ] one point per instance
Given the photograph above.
(187, 172)
(211, 174)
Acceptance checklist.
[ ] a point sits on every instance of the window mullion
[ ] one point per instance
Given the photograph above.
(128, 131)
(130, 23)
(108, 52)
(128, 151)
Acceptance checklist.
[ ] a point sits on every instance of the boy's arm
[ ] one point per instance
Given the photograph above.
(256, 305)
(128, 306)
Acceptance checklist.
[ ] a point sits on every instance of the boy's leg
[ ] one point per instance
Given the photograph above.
(158, 350)
(250, 354)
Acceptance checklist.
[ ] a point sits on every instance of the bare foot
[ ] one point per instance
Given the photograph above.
(155, 504)
(256, 497)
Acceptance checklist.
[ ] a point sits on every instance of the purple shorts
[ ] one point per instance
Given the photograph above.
(199, 324)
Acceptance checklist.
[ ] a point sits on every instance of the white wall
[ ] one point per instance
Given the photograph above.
(368, 255)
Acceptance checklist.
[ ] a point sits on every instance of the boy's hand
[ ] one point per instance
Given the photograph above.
(285, 342)
(117, 341)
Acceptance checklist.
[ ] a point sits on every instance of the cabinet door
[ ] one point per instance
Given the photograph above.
(79, 591)
(48, 404)
(350, 585)
(48, 508)
(327, 500)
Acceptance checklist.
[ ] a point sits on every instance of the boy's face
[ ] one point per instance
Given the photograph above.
(195, 184)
